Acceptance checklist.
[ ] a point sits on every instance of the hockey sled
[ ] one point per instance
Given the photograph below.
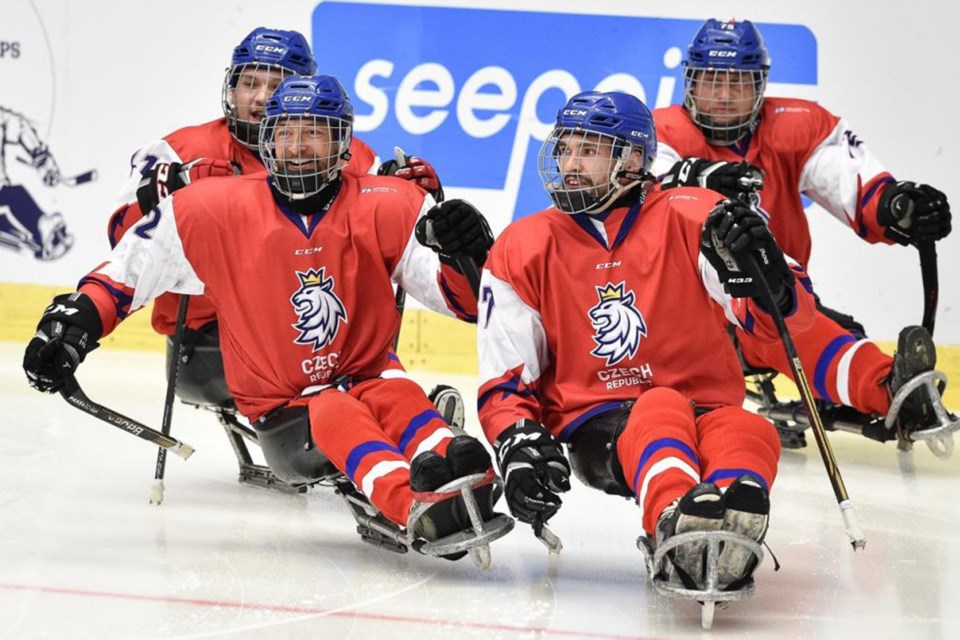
(711, 594)
(938, 437)
(790, 418)
(380, 532)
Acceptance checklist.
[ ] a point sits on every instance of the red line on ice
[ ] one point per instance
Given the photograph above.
(279, 608)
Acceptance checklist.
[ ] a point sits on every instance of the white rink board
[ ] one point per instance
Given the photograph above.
(100, 78)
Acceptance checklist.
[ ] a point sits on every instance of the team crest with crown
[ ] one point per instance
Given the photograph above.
(618, 325)
(319, 310)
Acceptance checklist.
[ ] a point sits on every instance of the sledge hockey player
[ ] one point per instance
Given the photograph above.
(223, 147)
(768, 151)
(24, 226)
(299, 262)
(596, 329)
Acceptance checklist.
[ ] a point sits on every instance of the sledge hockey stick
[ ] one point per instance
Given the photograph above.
(73, 394)
(816, 423)
(400, 298)
(931, 285)
(156, 492)
(70, 181)
(470, 271)
(80, 178)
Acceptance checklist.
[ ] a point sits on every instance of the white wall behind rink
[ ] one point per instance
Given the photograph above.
(116, 75)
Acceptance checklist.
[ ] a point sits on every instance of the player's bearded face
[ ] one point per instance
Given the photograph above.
(305, 146)
(726, 97)
(254, 86)
(585, 161)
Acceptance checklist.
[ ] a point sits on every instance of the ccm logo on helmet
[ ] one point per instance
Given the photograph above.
(722, 54)
(574, 112)
(266, 48)
(297, 98)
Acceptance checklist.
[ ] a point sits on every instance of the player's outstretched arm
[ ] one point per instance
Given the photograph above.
(146, 263)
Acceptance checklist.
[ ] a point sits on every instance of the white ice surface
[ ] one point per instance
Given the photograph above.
(84, 555)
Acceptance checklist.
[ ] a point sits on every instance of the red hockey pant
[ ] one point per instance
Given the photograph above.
(666, 450)
(371, 433)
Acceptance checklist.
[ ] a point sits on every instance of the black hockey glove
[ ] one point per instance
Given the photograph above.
(913, 213)
(67, 332)
(732, 179)
(534, 471)
(165, 178)
(733, 231)
(416, 170)
(455, 229)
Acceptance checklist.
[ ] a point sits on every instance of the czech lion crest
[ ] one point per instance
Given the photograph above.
(618, 325)
(319, 310)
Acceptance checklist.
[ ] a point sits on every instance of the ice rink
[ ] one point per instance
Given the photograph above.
(84, 555)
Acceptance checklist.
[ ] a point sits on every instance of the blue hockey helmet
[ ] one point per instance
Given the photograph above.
(725, 76)
(263, 58)
(305, 135)
(602, 145)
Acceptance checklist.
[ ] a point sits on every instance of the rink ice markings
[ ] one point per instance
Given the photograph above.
(317, 612)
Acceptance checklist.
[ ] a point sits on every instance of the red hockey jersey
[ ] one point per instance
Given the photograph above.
(803, 149)
(580, 313)
(301, 301)
(210, 140)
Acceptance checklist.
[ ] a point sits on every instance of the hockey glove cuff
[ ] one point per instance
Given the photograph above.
(67, 332)
(733, 231)
(534, 471)
(912, 213)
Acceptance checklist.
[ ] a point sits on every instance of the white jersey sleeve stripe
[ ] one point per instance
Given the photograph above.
(666, 158)
(509, 333)
(142, 160)
(418, 269)
(835, 171)
(150, 259)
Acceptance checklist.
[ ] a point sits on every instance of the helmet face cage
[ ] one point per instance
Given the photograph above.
(724, 103)
(246, 89)
(724, 78)
(581, 169)
(304, 152)
(258, 64)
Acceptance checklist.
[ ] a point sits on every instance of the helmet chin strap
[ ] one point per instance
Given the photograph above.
(246, 133)
(617, 188)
